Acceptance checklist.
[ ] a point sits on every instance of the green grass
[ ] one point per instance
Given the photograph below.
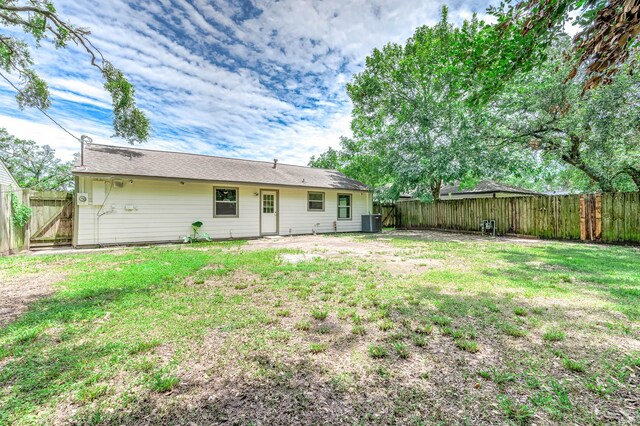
(377, 351)
(319, 314)
(316, 348)
(126, 333)
(553, 335)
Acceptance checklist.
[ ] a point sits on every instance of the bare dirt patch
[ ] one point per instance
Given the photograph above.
(18, 293)
(377, 251)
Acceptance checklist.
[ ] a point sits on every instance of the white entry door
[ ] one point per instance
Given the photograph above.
(269, 212)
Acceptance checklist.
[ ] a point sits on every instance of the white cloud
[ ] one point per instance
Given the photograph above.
(221, 78)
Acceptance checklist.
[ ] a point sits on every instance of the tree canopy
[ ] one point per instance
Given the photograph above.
(39, 19)
(607, 37)
(598, 133)
(422, 115)
(409, 112)
(34, 166)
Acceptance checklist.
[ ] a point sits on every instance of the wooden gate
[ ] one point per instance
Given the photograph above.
(52, 218)
(388, 212)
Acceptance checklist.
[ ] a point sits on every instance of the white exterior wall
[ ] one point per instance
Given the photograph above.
(165, 209)
(5, 176)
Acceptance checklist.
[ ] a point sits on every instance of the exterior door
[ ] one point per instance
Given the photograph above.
(269, 212)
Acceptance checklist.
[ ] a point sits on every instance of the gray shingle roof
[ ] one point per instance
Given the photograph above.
(484, 186)
(125, 161)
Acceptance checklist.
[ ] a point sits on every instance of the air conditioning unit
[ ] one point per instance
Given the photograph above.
(82, 199)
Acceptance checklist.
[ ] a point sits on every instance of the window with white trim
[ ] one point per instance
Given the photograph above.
(344, 206)
(225, 202)
(315, 201)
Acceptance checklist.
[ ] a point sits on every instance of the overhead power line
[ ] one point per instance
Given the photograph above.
(41, 110)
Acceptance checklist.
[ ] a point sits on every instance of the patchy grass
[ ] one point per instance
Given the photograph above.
(487, 331)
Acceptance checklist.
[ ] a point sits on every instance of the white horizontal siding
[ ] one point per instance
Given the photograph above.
(5, 176)
(164, 211)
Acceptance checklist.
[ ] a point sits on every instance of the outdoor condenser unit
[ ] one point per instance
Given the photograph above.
(372, 223)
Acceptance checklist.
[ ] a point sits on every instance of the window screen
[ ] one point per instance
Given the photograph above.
(344, 206)
(315, 201)
(225, 202)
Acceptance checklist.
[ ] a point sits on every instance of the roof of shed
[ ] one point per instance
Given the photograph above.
(125, 161)
(484, 186)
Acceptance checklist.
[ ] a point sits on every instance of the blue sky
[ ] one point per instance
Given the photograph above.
(258, 80)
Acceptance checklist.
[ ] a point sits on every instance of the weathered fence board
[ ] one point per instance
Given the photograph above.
(590, 217)
(12, 237)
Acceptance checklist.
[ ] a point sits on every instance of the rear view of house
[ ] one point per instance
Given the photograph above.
(130, 195)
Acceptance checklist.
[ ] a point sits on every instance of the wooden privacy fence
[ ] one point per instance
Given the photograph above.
(12, 237)
(592, 217)
(51, 220)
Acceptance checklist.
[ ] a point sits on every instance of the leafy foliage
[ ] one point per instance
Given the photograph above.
(525, 29)
(196, 235)
(20, 213)
(40, 19)
(35, 166)
(597, 133)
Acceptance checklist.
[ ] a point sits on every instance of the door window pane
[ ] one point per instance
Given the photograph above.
(268, 203)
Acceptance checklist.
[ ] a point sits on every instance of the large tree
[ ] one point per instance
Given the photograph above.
(34, 166)
(607, 37)
(410, 115)
(39, 19)
(597, 133)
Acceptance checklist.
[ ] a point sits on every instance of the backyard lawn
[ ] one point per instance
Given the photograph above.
(402, 327)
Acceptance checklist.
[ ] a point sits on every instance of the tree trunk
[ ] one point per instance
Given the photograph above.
(635, 176)
(574, 158)
(436, 185)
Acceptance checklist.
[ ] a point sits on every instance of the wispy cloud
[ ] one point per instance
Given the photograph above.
(240, 79)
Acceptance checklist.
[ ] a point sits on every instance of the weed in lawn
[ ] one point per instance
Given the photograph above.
(385, 325)
(141, 347)
(319, 314)
(440, 320)
(573, 365)
(283, 313)
(91, 393)
(357, 319)
(324, 329)
(161, 382)
(424, 328)
(316, 348)
(513, 330)
(553, 335)
(377, 351)
(401, 350)
(520, 413)
(520, 311)
(420, 340)
(468, 345)
(303, 325)
(359, 330)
